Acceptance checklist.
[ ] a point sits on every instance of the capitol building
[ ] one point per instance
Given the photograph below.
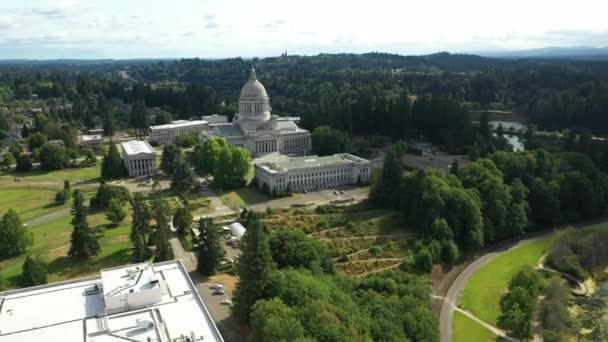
(256, 129)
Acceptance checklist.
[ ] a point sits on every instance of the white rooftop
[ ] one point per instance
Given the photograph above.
(91, 137)
(178, 123)
(77, 310)
(136, 147)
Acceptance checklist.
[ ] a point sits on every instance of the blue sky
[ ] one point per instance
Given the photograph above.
(42, 29)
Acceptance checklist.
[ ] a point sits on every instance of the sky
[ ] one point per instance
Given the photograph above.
(120, 29)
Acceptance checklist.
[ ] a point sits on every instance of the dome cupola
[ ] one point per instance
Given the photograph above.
(254, 103)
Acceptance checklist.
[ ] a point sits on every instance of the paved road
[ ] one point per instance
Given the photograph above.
(450, 301)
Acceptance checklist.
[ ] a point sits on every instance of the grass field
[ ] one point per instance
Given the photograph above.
(465, 329)
(83, 174)
(31, 201)
(243, 197)
(52, 241)
(486, 286)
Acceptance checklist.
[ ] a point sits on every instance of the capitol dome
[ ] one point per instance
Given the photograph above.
(254, 103)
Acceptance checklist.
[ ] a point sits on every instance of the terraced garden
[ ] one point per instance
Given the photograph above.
(359, 239)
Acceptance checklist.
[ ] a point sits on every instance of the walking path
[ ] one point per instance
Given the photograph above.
(582, 287)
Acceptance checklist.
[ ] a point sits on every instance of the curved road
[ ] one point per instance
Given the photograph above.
(450, 301)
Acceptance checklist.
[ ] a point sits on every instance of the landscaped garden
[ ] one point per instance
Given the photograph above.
(359, 239)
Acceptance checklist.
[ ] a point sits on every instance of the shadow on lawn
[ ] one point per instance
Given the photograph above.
(66, 267)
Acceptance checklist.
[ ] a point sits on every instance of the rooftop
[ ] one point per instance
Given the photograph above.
(224, 130)
(285, 163)
(79, 310)
(136, 147)
(178, 123)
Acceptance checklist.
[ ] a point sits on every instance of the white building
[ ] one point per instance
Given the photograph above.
(297, 174)
(141, 302)
(166, 134)
(139, 158)
(255, 129)
(90, 140)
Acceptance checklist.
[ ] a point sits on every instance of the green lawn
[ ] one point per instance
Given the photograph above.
(31, 201)
(484, 289)
(243, 197)
(465, 329)
(83, 174)
(52, 240)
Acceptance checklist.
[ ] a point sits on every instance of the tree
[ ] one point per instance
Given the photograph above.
(8, 160)
(109, 123)
(108, 192)
(140, 228)
(210, 250)
(272, 320)
(139, 118)
(231, 168)
(328, 141)
(83, 244)
(187, 140)
(163, 251)
(36, 140)
(171, 155)
(292, 248)
(112, 166)
(15, 238)
(182, 221)
(253, 269)
(25, 131)
(163, 118)
(53, 157)
(65, 194)
(34, 271)
(183, 178)
(24, 163)
(385, 188)
(115, 212)
(207, 154)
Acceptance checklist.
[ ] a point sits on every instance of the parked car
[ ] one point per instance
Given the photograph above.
(215, 286)
(226, 301)
(219, 291)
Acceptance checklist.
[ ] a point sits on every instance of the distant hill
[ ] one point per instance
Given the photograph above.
(580, 52)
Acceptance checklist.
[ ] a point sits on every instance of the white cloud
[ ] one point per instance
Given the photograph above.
(218, 28)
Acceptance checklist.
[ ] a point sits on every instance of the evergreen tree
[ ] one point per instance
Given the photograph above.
(140, 228)
(385, 188)
(183, 178)
(83, 244)
(182, 220)
(163, 251)
(210, 251)
(116, 212)
(109, 124)
(15, 238)
(112, 166)
(8, 160)
(253, 269)
(139, 118)
(34, 271)
(171, 155)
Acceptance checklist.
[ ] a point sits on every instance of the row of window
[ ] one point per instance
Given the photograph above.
(320, 174)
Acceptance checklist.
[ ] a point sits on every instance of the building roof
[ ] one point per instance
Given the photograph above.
(76, 310)
(285, 163)
(134, 147)
(237, 230)
(225, 130)
(91, 137)
(177, 124)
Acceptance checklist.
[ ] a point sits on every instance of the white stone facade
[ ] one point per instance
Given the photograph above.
(309, 173)
(139, 158)
(256, 129)
(166, 134)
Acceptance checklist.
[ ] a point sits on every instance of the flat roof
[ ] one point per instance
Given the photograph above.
(90, 137)
(224, 130)
(285, 163)
(136, 147)
(75, 311)
(178, 123)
